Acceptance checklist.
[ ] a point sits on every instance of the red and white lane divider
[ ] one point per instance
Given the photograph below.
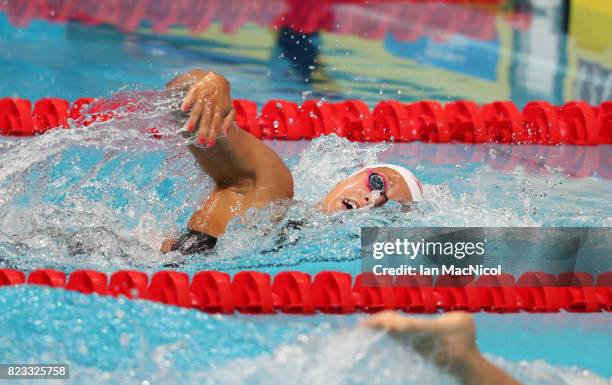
(335, 292)
(576, 123)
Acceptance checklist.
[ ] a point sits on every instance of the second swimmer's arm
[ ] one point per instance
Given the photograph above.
(449, 341)
(477, 370)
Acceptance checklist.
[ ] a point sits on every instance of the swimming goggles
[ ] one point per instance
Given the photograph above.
(376, 182)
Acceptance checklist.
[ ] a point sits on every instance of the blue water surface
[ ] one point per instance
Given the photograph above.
(104, 197)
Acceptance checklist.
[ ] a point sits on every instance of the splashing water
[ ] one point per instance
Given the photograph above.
(108, 191)
(105, 196)
(108, 341)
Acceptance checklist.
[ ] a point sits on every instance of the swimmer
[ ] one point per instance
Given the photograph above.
(247, 173)
(449, 341)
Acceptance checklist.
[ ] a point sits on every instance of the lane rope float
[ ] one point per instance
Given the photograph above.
(575, 123)
(335, 292)
(304, 17)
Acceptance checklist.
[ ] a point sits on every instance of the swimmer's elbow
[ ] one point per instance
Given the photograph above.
(288, 185)
(281, 182)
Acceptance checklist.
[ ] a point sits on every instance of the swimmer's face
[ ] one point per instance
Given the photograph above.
(369, 188)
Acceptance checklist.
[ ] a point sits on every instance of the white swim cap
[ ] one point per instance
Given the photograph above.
(415, 187)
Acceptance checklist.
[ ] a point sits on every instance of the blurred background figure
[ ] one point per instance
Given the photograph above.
(518, 50)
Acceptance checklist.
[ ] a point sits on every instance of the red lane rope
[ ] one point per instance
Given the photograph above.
(335, 292)
(539, 122)
(301, 16)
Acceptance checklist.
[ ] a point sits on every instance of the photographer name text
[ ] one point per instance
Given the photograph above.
(437, 270)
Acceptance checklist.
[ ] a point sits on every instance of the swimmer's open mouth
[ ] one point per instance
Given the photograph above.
(349, 204)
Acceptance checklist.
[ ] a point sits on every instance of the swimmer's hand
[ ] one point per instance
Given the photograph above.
(208, 102)
(449, 341)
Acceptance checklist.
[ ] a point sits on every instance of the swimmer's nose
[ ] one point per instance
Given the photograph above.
(377, 202)
(363, 201)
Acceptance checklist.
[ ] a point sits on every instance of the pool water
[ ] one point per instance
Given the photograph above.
(108, 341)
(105, 196)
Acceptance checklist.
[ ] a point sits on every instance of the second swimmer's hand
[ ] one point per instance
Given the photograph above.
(209, 105)
(449, 340)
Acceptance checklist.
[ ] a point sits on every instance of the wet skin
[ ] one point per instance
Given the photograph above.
(354, 192)
(246, 172)
(449, 341)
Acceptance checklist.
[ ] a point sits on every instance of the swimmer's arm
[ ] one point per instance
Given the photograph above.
(477, 370)
(449, 341)
(232, 161)
(246, 171)
(224, 151)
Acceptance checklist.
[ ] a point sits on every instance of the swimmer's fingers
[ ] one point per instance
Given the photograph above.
(416, 332)
(190, 99)
(216, 124)
(394, 322)
(220, 126)
(197, 92)
(227, 122)
(204, 126)
(194, 116)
